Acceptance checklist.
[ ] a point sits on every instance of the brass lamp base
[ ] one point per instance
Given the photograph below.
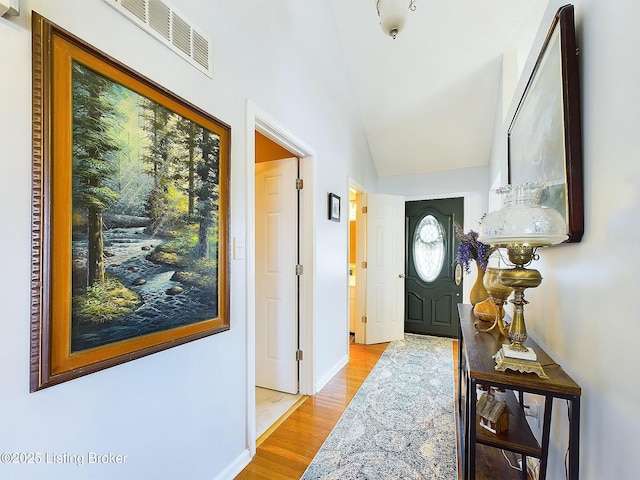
(506, 362)
(519, 279)
(526, 353)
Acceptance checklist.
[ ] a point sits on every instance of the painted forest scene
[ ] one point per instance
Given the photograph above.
(145, 215)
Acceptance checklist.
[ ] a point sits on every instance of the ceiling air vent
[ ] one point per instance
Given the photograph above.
(161, 20)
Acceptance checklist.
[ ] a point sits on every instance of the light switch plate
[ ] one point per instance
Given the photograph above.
(238, 248)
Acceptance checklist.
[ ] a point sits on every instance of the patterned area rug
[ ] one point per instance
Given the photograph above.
(401, 422)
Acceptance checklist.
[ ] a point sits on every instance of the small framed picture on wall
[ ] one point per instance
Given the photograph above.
(334, 207)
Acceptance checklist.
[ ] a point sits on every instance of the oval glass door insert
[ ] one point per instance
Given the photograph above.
(428, 248)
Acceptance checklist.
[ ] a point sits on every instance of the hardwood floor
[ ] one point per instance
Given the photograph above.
(287, 452)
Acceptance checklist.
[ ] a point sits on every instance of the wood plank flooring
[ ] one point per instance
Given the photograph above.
(287, 452)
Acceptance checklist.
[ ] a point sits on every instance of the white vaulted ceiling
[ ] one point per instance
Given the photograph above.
(428, 98)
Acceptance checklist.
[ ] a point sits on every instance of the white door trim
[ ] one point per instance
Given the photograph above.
(259, 120)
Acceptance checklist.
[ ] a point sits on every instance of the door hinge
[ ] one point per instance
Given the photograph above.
(298, 269)
(299, 184)
(364, 264)
(364, 319)
(299, 356)
(364, 209)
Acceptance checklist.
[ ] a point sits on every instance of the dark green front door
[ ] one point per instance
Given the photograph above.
(431, 293)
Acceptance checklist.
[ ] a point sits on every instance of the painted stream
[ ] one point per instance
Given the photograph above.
(125, 258)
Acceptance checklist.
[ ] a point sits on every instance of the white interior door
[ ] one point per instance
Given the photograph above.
(276, 258)
(385, 268)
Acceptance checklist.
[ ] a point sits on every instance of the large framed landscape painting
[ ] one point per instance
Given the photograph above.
(544, 138)
(129, 213)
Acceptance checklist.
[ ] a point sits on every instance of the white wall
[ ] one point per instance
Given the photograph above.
(471, 182)
(180, 413)
(584, 312)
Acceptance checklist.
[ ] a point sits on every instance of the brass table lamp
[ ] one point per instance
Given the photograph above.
(521, 226)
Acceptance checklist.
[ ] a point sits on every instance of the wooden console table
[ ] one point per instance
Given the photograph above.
(477, 367)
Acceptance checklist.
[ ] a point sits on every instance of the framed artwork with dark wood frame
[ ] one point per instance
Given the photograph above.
(130, 215)
(544, 138)
(334, 207)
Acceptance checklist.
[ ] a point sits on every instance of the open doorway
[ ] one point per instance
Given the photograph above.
(276, 283)
(352, 264)
(379, 267)
(356, 259)
(268, 141)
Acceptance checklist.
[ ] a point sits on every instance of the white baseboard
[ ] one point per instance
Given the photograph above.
(331, 373)
(235, 467)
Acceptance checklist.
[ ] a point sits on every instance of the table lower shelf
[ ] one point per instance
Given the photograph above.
(492, 465)
(518, 438)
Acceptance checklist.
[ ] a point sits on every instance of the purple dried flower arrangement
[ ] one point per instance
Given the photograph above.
(470, 249)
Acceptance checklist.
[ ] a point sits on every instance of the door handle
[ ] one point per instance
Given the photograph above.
(401, 275)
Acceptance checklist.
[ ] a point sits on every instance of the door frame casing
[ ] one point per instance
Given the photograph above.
(259, 120)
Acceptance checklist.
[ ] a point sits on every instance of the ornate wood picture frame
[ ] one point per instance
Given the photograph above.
(130, 213)
(544, 138)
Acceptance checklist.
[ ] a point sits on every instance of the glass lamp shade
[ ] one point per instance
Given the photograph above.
(522, 220)
(393, 15)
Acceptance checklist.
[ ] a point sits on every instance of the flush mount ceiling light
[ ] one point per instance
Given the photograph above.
(393, 14)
